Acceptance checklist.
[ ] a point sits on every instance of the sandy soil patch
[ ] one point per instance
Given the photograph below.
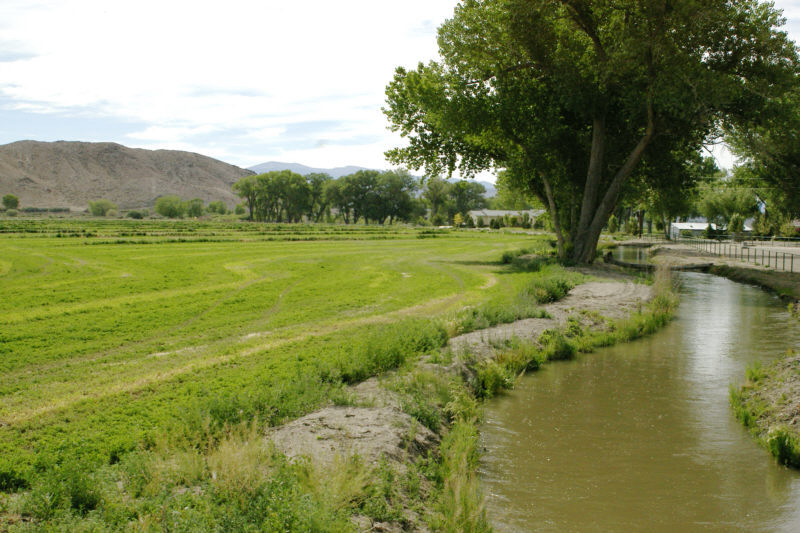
(369, 432)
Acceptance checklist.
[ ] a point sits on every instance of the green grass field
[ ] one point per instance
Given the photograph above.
(108, 339)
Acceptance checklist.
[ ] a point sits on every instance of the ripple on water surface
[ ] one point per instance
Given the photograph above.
(640, 437)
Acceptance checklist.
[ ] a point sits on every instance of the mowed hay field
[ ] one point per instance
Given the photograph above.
(113, 332)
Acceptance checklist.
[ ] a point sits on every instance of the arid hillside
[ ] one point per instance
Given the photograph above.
(70, 174)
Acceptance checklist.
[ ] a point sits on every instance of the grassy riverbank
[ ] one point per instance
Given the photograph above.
(139, 378)
(767, 404)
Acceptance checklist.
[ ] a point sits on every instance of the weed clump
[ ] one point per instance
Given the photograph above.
(785, 446)
(762, 405)
(549, 289)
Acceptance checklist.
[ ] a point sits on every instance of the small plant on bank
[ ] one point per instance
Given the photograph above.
(784, 445)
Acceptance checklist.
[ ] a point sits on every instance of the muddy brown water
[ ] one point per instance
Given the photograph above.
(640, 437)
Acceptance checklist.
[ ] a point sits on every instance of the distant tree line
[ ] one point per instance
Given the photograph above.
(173, 206)
(367, 196)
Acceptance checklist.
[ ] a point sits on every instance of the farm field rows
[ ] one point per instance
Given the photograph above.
(103, 344)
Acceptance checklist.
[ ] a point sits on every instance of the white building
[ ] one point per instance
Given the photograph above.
(695, 228)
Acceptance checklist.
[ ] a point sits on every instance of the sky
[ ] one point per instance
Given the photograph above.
(243, 81)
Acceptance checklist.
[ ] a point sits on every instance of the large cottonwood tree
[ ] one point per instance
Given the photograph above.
(575, 97)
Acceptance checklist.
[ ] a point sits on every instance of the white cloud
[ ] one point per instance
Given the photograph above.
(232, 79)
(161, 133)
(191, 67)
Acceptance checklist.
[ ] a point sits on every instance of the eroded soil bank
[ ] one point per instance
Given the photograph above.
(403, 423)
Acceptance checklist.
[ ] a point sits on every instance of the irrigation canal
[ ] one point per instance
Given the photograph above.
(640, 436)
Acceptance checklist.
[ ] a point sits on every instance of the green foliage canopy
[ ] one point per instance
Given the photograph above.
(170, 206)
(772, 156)
(726, 201)
(571, 96)
(194, 208)
(101, 208)
(10, 201)
(371, 195)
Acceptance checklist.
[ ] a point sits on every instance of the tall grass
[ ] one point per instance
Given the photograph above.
(758, 415)
(548, 284)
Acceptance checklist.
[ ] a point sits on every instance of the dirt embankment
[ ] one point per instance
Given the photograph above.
(611, 298)
(375, 426)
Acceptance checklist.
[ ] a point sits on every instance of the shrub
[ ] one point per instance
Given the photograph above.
(788, 229)
(218, 207)
(239, 209)
(556, 346)
(11, 213)
(194, 208)
(100, 208)
(137, 215)
(10, 201)
(170, 206)
(12, 479)
(491, 378)
(736, 223)
(784, 446)
(543, 221)
(549, 289)
(613, 224)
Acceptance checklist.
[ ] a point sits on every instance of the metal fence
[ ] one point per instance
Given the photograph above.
(751, 251)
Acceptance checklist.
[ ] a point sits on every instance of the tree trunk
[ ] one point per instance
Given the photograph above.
(640, 217)
(592, 187)
(585, 245)
(551, 205)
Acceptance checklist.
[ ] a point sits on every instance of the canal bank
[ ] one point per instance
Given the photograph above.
(677, 256)
(640, 436)
(420, 423)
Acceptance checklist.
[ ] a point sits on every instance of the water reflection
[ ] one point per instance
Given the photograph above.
(640, 436)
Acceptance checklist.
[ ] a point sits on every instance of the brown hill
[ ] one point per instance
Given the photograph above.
(69, 174)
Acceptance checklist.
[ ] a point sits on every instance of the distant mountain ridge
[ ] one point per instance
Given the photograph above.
(297, 168)
(70, 174)
(338, 172)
